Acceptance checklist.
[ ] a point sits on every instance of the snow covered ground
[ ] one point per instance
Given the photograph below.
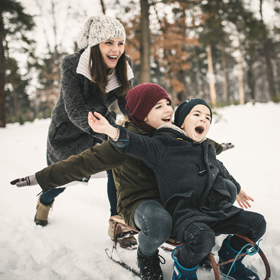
(72, 246)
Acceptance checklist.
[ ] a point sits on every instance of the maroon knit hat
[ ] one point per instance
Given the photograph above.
(141, 99)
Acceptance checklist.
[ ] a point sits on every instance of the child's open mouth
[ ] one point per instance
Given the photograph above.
(166, 119)
(199, 129)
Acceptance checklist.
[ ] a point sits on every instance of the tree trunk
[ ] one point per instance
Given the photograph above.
(103, 7)
(225, 78)
(250, 78)
(213, 97)
(145, 68)
(2, 73)
(261, 9)
(267, 52)
(240, 77)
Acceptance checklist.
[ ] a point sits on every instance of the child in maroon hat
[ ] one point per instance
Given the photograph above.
(140, 100)
(192, 184)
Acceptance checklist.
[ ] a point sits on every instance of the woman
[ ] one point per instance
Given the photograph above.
(92, 79)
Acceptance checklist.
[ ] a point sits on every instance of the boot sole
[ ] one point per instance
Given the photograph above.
(40, 222)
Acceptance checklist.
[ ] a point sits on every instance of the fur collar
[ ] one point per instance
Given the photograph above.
(176, 128)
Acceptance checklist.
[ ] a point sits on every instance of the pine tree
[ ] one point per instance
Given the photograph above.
(15, 23)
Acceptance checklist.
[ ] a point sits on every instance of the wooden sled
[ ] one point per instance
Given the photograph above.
(174, 243)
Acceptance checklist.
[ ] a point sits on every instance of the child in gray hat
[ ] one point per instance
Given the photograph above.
(192, 185)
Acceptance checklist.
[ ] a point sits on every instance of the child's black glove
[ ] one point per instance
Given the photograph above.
(227, 146)
(24, 182)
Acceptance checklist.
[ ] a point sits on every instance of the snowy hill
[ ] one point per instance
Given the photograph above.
(72, 246)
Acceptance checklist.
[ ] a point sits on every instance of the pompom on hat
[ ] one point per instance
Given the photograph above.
(98, 29)
(141, 99)
(185, 107)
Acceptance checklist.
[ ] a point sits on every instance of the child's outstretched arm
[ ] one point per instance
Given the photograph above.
(99, 124)
(26, 181)
(91, 161)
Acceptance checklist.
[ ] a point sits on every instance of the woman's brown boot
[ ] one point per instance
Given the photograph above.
(41, 217)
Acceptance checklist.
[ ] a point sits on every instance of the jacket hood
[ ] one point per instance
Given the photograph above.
(172, 126)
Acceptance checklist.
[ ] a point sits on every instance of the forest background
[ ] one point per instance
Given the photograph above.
(225, 51)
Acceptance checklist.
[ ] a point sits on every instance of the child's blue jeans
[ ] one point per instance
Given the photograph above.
(155, 225)
(199, 237)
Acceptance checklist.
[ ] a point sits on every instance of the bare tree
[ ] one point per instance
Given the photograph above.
(2, 71)
(103, 7)
(213, 96)
(50, 74)
(145, 68)
(240, 76)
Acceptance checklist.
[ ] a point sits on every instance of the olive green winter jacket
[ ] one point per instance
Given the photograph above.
(134, 181)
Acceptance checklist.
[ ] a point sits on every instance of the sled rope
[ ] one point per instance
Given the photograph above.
(250, 251)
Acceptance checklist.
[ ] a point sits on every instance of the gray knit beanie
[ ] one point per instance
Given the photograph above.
(99, 29)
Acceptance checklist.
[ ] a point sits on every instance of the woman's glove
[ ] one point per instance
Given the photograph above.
(24, 182)
(111, 117)
(227, 146)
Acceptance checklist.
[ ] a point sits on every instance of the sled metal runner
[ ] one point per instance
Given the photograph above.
(123, 264)
(174, 243)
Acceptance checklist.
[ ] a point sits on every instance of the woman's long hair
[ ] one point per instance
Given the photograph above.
(99, 71)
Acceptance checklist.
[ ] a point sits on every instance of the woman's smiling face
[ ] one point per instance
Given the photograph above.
(111, 50)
